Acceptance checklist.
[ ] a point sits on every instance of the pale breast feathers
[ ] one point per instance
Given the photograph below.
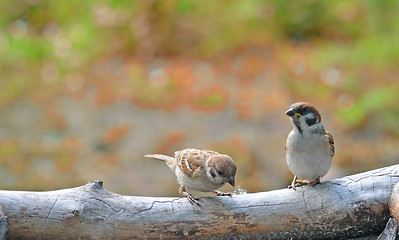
(289, 138)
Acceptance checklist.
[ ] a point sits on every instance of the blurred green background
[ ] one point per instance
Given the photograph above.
(88, 87)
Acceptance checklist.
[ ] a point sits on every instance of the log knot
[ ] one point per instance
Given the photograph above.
(76, 212)
(95, 185)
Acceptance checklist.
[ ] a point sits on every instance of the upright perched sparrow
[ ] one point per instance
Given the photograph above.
(309, 147)
(200, 170)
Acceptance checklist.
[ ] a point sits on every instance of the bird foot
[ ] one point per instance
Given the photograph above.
(193, 200)
(219, 193)
(312, 183)
(294, 186)
(190, 198)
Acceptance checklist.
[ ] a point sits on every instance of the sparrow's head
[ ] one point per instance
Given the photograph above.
(303, 115)
(221, 169)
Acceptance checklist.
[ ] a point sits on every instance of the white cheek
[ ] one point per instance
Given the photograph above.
(310, 116)
(219, 179)
(302, 122)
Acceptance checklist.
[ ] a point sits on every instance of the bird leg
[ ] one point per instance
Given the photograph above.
(312, 183)
(219, 193)
(190, 198)
(294, 184)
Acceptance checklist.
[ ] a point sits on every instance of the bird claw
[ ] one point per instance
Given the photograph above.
(313, 183)
(194, 200)
(219, 193)
(294, 186)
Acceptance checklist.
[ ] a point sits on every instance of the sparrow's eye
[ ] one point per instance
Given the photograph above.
(305, 110)
(219, 172)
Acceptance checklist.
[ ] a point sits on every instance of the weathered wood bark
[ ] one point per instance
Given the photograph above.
(391, 228)
(394, 202)
(3, 224)
(352, 206)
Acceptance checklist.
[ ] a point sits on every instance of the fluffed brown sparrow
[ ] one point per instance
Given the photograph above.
(200, 170)
(309, 147)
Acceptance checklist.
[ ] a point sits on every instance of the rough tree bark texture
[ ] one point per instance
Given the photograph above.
(394, 203)
(391, 228)
(352, 206)
(3, 224)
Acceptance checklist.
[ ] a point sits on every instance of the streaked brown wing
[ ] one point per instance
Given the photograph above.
(189, 160)
(331, 143)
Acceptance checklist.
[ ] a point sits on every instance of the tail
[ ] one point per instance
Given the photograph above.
(170, 161)
(160, 157)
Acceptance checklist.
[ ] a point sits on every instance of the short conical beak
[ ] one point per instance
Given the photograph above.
(290, 112)
(231, 180)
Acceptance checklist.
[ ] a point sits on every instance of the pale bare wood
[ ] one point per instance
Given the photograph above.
(349, 207)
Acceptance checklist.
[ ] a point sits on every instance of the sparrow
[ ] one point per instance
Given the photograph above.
(309, 147)
(200, 170)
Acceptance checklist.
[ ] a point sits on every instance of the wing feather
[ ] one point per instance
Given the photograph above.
(189, 160)
(330, 139)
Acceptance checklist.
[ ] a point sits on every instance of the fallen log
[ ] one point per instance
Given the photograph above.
(349, 207)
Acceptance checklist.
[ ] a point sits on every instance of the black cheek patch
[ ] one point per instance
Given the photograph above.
(212, 172)
(311, 121)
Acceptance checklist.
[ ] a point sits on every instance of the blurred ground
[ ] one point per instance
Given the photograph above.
(87, 89)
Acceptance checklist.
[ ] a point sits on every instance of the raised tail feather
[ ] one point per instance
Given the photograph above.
(160, 157)
(170, 161)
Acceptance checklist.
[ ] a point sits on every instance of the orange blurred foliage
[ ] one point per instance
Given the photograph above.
(173, 138)
(116, 133)
(211, 99)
